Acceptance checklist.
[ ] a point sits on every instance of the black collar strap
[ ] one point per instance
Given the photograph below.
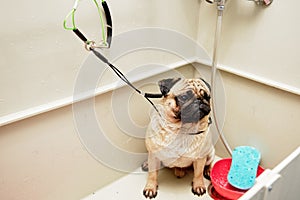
(197, 133)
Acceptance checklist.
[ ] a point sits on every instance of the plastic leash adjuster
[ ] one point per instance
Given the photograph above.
(108, 22)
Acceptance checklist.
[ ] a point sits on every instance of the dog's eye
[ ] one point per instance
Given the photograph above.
(183, 97)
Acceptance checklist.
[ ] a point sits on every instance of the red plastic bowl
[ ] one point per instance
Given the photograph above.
(218, 177)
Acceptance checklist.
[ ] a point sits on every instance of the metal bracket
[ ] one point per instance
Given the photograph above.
(258, 2)
(262, 2)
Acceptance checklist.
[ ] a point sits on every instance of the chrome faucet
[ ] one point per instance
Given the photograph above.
(258, 2)
(262, 2)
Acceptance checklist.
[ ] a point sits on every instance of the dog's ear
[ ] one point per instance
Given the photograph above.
(207, 84)
(165, 85)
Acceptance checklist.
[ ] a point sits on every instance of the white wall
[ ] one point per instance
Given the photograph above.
(259, 43)
(41, 157)
(256, 40)
(39, 60)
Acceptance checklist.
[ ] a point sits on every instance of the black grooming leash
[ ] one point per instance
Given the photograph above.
(89, 46)
(123, 77)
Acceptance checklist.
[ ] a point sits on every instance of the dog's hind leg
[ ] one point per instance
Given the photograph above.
(208, 165)
(150, 190)
(179, 172)
(206, 172)
(144, 165)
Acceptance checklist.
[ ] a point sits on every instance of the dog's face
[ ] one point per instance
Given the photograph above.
(186, 100)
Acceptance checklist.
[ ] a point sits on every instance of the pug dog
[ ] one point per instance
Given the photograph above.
(178, 134)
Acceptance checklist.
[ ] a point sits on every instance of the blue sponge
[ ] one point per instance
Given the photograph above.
(243, 169)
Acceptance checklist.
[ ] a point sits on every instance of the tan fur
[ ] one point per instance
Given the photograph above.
(166, 143)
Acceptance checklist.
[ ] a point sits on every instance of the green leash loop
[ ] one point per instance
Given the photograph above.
(71, 13)
(73, 27)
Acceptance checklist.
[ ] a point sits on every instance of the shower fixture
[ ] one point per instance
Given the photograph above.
(220, 9)
(262, 2)
(258, 2)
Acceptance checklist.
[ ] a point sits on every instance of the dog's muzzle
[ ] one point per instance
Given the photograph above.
(193, 110)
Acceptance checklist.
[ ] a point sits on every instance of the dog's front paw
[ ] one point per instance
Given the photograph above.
(150, 191)
(198, 190)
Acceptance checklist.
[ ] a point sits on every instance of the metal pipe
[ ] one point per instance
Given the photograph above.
(220, 8)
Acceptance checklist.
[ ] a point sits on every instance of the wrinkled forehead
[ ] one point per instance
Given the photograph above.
(190, 84)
